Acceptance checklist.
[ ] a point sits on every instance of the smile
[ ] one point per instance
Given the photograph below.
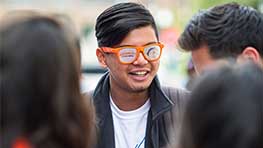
(139, 73)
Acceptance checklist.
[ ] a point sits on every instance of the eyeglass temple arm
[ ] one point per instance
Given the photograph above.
(109, 50)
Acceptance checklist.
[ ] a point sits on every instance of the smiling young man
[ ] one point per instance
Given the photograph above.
(222, 32)
(133, 110)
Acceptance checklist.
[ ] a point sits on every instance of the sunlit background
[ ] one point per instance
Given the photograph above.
(171, 17)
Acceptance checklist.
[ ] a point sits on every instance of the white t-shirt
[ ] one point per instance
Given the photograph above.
(130, 126)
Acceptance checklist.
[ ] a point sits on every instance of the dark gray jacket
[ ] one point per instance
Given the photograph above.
(166, 108)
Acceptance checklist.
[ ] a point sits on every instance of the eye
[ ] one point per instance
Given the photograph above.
(127, 51)
(152, 51)
(127, 54)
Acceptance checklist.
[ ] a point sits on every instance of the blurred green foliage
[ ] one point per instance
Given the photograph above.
(183, 15)
(204, 4)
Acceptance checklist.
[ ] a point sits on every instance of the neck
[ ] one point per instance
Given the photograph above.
(128, 101)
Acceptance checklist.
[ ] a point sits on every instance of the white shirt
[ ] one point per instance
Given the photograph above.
(130, 126)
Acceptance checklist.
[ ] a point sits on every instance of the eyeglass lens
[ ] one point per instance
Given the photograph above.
(151, 53)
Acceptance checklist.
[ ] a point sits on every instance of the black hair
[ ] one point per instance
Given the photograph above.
(113, 24)
(225, 29)
(225, 109)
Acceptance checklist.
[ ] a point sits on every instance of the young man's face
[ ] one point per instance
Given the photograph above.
(202, 59)
(137, 76)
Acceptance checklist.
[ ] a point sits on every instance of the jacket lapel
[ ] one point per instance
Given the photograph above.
(103, 111)
(160, 104)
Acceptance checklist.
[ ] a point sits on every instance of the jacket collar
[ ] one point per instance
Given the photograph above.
(160, 103)
(101, 101)
(101, 97)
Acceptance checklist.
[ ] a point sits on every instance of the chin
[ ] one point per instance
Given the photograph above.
(141, 88)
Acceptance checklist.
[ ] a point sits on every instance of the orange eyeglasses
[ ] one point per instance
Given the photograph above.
(128, 54)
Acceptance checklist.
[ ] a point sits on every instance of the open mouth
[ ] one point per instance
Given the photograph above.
(139, 73)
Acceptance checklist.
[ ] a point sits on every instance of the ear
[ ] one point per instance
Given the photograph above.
(101, 57)
(250, 53)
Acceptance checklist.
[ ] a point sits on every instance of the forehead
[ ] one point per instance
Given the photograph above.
(140, 36)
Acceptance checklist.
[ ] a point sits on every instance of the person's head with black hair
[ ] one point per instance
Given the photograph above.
(40, 91)
(223, 31)
(128, 45)
(225, 109)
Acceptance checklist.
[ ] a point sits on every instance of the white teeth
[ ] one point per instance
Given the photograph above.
(140, 72)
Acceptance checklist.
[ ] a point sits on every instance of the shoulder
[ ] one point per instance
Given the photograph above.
(88, 97)
(173, 117)
(88, 94)
(176, 94)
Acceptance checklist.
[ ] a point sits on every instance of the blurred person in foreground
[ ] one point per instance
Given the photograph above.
(71, 29)
(225, 109)
(40, 93)
(221, 32)
(133, 110)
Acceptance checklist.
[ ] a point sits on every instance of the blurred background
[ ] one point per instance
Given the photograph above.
(171, 16)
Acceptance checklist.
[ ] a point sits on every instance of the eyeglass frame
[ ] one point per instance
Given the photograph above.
(139, 49)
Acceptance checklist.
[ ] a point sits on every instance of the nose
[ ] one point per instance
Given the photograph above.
(140, 60)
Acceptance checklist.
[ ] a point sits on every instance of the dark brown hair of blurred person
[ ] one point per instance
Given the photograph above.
(225, 109)
(41, 101)
(71, 29)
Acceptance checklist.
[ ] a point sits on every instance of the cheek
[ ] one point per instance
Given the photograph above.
(155, 65)
(112, 61)
(198, 61)
(196, 64)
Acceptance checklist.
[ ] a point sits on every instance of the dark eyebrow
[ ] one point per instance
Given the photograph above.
(133, 45)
